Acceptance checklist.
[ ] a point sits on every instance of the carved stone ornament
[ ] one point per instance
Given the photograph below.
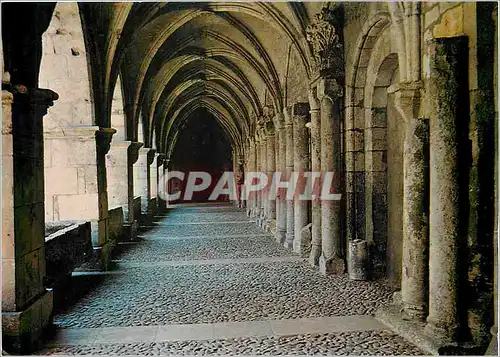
(133, 152)
(326, 45)
(103, 139)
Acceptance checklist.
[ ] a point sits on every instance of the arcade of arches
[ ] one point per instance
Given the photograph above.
(101, 100)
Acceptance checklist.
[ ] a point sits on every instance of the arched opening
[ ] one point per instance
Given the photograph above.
(202, 145)
(384, 137)
(68, 126)
(374, 151)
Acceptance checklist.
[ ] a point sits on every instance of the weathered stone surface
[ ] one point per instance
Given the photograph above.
(67, 249)
(447, 84)
(344, 343)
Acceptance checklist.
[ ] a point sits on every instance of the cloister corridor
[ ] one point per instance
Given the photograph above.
(205, 280)
(250, 177)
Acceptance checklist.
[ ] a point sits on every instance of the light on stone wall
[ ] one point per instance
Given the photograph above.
(308, 125)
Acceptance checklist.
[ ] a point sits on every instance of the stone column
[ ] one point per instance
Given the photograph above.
(447, 87)
(257, 168)
(142, 181)
(271, 168)
(281, 206)
(132, 224)
(242, 170)
(263, 168)
(289, 160)
(117, 176)
(236, 202)
(315, 167)
(414, 277)
(330, 96)
(251, 168)
(300, 111)
(26, 304)
(153, 187)
(160, 192)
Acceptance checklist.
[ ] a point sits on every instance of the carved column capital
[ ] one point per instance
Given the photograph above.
(270, 129)
(160, 159)
(328, 87)
(288, 115)
(103, 139)
(38, 99)
(325, 42)
(300, 113)
(133, 151)
(314, 103)
(279, 121)
(151, 156)
(261, 133)
(408, 97)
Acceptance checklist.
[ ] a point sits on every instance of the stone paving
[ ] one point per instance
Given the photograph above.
(149, 291)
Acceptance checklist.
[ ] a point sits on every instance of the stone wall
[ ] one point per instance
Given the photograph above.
(66, 249)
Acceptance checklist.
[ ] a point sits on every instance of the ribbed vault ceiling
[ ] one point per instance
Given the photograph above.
(174, 58)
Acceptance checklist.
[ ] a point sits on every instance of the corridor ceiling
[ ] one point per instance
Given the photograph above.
(173, 58)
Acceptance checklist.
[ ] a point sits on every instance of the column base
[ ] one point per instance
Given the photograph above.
(331, 266)
(440, 334)
(22, 331)
(263, 222)
(280, 236)
(493, 346)
(271, 226)
(289, 240)
(302, 245)
(415, 331)
(314, 255)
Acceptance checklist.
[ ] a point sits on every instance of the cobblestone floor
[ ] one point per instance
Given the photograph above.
(236, 291)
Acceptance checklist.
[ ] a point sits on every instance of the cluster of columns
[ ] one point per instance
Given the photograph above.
(284, 145)
(433, 237)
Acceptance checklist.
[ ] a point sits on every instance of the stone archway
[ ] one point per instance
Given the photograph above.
(374, 163)
(384, 137)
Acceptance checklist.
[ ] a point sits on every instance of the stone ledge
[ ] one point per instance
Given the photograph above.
(413, 331)
(67, 249)
(21, 331)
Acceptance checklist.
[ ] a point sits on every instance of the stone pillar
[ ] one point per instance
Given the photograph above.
(166, 165)
(234, 159)
(263, 168)
(160, 192)
(289, 160)
(271, 168)
(257, 168)
(242, 203)
(330, 96)
(315, 167)
(132, 224)
(447, 86)
(300, 113)
(142, 181)
(415, 266)
(26, 304)
(117, 176)
(251, 168)
(76, 183)
(281, 206)
(153, 187)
